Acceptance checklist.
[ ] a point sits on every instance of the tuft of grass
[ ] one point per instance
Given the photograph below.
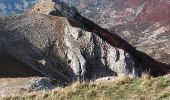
(164, 96)
(122, 88)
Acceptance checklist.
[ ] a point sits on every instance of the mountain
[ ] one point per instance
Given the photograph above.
(56, 40)
(8, 7)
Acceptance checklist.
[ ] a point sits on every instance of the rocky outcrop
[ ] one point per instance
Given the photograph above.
(52, 46)
(18, 86)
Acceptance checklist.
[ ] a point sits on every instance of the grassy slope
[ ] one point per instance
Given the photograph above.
(125, 88)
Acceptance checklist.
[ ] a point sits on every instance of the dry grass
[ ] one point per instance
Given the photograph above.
(122, 88)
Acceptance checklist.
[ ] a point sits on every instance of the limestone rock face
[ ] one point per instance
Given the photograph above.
(90, 56)
(52, 46)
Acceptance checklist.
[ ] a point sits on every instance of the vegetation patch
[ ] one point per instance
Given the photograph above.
(122, 88)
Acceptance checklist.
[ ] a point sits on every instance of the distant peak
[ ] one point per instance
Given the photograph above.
(43, 6)
(55, 7)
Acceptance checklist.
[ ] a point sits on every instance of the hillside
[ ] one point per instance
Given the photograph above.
(144, 88)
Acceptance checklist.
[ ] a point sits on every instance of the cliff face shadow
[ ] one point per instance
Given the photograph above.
(95, 68)
(12, 68)
(19, 58)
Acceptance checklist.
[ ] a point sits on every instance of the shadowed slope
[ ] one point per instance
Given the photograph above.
(25, 38)
(10, 67)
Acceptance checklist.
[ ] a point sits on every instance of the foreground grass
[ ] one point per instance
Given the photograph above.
(125, 88)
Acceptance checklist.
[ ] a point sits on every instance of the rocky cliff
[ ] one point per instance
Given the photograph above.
(50, 45)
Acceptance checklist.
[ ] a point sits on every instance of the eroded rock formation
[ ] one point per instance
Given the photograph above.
(50, 45)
